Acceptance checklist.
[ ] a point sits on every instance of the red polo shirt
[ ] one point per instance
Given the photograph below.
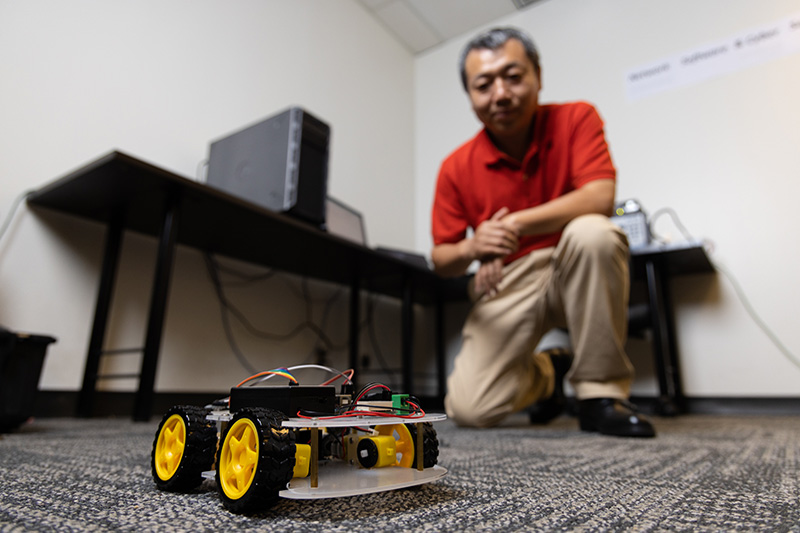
(568, 150)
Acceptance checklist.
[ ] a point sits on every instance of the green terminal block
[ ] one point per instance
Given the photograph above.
(399, 402)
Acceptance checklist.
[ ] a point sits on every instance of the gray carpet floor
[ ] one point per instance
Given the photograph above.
(701, 473)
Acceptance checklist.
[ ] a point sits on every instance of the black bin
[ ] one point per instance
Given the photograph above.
(21, 359)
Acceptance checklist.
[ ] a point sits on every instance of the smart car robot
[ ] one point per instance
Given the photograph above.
(296, 441)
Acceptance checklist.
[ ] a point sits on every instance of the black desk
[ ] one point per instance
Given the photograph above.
(656, 264)
(128, 194)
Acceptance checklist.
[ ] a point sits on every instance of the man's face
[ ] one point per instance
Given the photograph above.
(503, 87)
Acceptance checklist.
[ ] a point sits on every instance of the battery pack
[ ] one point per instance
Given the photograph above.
(313, 400)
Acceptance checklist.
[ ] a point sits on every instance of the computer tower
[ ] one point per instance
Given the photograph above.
(280, 163)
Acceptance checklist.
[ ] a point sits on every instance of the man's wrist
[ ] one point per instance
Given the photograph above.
(515, 223)
(467, 250)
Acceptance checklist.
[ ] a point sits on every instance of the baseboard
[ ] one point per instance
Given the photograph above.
(726, 406)
(744, 406)
(59, 404)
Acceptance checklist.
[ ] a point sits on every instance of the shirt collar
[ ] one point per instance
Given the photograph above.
(494, 156)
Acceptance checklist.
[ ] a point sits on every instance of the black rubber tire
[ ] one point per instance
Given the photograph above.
(275, 463)
(198, 452)
(430, 444)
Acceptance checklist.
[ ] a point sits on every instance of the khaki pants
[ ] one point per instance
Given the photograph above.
(581, 284)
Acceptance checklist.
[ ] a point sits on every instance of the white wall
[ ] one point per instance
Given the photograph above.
(722, 153)
(159, 79)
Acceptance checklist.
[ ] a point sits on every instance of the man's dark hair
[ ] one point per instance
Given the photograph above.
(493, 40)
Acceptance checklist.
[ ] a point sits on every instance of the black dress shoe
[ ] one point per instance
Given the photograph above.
(546, 410)
(610, 416)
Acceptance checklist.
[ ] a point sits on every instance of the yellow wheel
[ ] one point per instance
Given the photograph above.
(404, 443)
(170, 444)
(238, 458)
(256, 460)
(183, 448)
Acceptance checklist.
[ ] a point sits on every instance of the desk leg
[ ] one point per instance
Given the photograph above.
(102, 307)
(407, 333)
(158, 305)
(355, 317)
(441, 351)
(664, 346)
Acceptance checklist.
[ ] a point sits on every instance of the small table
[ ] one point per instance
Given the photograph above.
(656, 264)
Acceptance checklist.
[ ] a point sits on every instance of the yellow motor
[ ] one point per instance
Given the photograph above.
(377, 451)
(302, 460)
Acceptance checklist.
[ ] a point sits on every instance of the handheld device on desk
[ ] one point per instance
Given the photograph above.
(632, 219)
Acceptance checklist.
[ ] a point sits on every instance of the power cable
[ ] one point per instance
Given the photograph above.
(14, 206)
(744, 300)
(737, 287)
(228, 309)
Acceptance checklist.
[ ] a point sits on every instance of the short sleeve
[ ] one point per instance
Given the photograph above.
(591, 158)
(449, 221)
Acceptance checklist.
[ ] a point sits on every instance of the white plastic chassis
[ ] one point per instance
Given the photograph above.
(339, 478)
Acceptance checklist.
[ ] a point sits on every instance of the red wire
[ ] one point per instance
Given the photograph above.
(375, 386)
(334, 378)
(419, 413)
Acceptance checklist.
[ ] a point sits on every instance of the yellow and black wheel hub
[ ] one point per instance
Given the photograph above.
(238, 458)
(183, 448)
(170, 445)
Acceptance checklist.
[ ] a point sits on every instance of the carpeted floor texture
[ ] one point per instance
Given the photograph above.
(702, 473)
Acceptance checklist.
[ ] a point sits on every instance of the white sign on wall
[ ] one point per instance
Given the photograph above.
(752, 47)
